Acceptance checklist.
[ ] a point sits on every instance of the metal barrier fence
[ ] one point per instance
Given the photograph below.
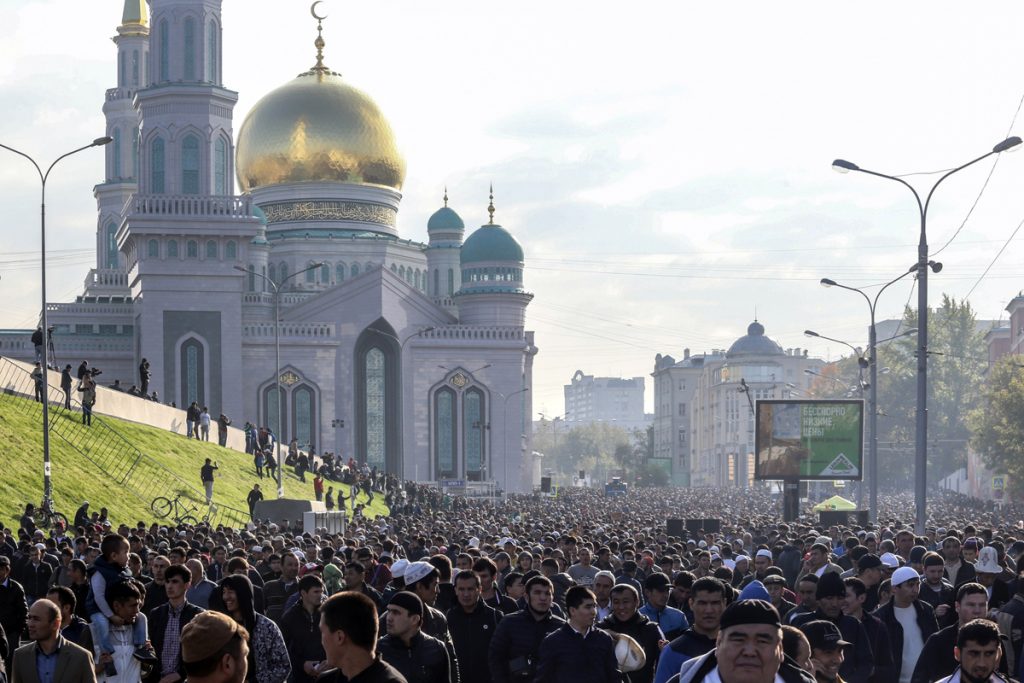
(106, 448)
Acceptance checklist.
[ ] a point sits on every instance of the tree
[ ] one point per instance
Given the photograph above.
(997, 424)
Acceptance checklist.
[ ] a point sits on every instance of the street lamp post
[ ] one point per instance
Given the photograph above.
(873, 379)
(921, 440)
(43, 177)
(276, 286)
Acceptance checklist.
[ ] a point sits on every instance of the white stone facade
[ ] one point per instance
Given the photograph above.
(382, 357)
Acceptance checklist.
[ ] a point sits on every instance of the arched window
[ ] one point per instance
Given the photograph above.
(451, 282)
(271, 400)
(192, 365)
(156, 165)
(401, 272)
(122, 78)
(153, 249)
(211, 249)
(231, 250)
(444, 433)
(272, 273)
(355, 269)
(378, 398)
(111, 240)
(165, 51)
(251, 278)
(394, 268)
(339, 273)
(304, 415)
(211, 56)
(417, 279)
(190, 49)
(325, 274)
(135, 153)
(220, 167)
(135, 68)
(115, 151)
(311, 273)
(172, 249)
(190, 165)
(282, 272)
(473, 426)
(192, 249)
(437, 283)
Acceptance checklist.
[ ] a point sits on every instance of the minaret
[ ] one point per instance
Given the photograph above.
(120, 179)
(186, 113)
(492, 291)
(445, 229)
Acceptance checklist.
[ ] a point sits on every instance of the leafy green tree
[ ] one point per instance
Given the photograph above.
(997, 424)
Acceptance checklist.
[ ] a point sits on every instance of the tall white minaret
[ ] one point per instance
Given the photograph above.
(186, 112)
(120, 177)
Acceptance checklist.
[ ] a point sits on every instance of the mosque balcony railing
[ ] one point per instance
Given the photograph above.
(267, 298)
(106, 277)
(80, 308)
(114, 94)
(191, 206)
(497, 333)
(77, 346)
(289, 330)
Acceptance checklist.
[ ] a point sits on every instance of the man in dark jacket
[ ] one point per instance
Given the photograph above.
(300, 627)
(13, 608)
(417, 656)
(958, 570)
(878, 634)
(277, 592)
(937, 660)
(516, 642)
(173, 614)
(626, 618)
(858, 661)
(906, 587)
(576, 651)
(472, 624)
(937, 591)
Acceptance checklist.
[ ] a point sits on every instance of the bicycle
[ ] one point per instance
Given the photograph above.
(46, 517)
(181, 512)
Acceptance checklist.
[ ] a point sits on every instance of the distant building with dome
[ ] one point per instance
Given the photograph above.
(411, 357)
(703, 426)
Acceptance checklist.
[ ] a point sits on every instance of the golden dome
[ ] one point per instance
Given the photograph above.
(317, 128)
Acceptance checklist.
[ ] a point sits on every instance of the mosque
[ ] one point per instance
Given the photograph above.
(411, 357)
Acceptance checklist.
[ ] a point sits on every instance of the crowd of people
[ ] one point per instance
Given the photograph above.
(577, 587)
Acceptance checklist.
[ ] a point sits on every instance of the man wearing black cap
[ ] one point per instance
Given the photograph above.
(831, 593)
(827, 647)
(748, 650)
(417, 656)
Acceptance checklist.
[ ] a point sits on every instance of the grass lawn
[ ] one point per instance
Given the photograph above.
(76, 479)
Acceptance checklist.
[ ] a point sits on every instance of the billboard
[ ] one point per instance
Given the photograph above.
(800, 439)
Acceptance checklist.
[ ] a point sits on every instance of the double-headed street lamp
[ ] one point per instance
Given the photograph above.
(98, 142)
(276, 287)
(871, 362)
(921, 445)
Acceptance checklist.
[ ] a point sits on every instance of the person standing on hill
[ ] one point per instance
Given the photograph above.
(37, 379)
(204, 423)
(254, 497)
(65, 385)
(144, 375)
(87, 387)
(206, 475)
(223, 422)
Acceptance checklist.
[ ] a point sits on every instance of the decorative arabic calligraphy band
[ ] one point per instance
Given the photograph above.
(330, 211)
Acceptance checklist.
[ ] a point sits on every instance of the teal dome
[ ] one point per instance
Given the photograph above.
(257, 212)
(445, 220)
(491, 243)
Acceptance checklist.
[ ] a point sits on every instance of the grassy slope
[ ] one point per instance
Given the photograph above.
(75, 479)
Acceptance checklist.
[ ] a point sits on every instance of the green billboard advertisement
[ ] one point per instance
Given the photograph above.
(799, 439)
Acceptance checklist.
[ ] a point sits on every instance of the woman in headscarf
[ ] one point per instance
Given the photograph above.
(268, 656)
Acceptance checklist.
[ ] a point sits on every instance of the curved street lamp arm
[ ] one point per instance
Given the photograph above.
(33, 161)
(920, 206)
(924, 211)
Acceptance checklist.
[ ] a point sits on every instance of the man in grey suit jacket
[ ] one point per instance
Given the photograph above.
(50, 658)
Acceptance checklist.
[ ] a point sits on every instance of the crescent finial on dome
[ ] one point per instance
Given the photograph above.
(319, 67)
(446, 195)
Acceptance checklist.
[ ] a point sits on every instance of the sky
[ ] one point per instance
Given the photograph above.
(666, 165)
